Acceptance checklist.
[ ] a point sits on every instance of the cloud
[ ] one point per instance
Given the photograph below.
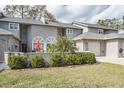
(85, 13)
(76, 13)
(111, 12)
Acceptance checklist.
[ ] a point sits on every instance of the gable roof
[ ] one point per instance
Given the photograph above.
(94, 36)
(37, 22)
(6, 33)
(92, 25)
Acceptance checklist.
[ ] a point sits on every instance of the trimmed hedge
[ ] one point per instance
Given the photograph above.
(56, 60)
(17, 62)
(38, 61)
(72, 59)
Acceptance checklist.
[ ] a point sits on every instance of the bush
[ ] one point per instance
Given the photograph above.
(79, 58)
(90, 58)
(38, 61)
(56, 60)
(74, 59)
(17, 62)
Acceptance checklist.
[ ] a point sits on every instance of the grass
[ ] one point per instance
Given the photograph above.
(97, 75)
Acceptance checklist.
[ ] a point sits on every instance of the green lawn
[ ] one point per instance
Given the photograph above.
(97, 75)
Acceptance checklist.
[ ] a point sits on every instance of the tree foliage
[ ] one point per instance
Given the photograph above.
(112, 23)
(26, 11)
(63, 44)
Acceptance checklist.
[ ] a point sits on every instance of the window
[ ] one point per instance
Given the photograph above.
(50, 40)
(100, 31)
(13, 26)
(86, 46)
(69, 31)
(34, 43)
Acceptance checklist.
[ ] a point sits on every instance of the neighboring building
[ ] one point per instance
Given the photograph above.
(100, 40)
(21, 35)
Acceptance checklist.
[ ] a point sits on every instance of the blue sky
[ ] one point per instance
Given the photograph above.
(85, 13)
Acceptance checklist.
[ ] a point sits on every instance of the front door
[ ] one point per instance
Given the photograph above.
(24, 47)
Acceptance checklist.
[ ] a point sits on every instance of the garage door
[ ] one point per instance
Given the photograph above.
(94, 47)
(112, 48)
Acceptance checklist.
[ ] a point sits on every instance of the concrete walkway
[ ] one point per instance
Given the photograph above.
(110, 60)
(2, 66)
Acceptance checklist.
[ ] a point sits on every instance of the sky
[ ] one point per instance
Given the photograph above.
(85, 13)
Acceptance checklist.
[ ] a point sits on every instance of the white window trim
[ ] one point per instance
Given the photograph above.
(69, 31)
(100, 31)
(41, 42)
(13, 28)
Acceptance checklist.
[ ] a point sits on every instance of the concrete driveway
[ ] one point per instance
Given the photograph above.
(2, 66)
(110, 60)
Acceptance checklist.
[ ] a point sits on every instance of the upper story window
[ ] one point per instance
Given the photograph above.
(69, 31)
(100, 31)
(13, 26)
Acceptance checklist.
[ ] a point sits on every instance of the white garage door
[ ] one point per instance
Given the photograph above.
(112, 48)
(94, 47)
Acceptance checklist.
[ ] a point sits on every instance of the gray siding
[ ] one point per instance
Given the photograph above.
(42, 31)
(6, 42)
(93, 30)
(110, 31)
(76, 32)
(5, 25)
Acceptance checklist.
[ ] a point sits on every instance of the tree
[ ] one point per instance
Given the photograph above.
(49, 17)
(16, 10)
(113, 23)
(39, 11)
(24, 11)
(63, 44)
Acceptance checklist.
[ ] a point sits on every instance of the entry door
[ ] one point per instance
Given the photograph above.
(24, 47)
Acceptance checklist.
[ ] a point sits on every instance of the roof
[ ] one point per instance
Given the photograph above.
(37, 22)
(95, 36)
(6, 32)
(93, 25)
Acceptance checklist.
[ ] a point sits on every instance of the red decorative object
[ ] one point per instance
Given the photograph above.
(38, 44)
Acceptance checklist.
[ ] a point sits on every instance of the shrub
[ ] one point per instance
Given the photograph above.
(56, 60)
(17, 62)
(90, 58)
(38, 61)
(74, 59)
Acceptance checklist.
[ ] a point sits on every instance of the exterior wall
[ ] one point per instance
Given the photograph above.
(79, 45)
(6, 43)
(93, 46)
(5, 25)
(42, 31)
(112, 49)
(102, 48)
(110, 31)
(85, 29)
(23, 33)
(121, 45)
(75, 33)
(93, 30)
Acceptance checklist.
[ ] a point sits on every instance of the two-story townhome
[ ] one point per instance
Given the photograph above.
(22, 34)
(102, 41)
